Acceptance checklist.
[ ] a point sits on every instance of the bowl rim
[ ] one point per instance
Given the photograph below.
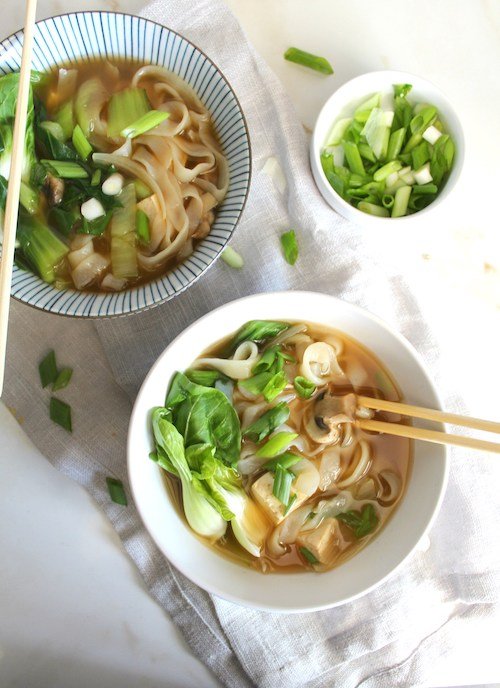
(218, 589)
(365, 218)
(84, 316)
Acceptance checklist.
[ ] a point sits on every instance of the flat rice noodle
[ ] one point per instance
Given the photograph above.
(176, 86)
(89, 270)
(135, 170)
(157, 225)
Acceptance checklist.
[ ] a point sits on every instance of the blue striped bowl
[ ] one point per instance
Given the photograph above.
(83, 36)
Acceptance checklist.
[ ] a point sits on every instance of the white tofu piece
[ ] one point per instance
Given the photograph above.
(323, 541)
(262, 492)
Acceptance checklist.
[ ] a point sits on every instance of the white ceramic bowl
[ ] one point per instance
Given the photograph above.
(344, 101)
(291, 592)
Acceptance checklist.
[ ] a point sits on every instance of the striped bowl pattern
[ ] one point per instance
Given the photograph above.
(83, 36)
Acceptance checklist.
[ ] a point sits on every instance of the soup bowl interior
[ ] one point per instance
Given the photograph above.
(290, 592)
(87, 36)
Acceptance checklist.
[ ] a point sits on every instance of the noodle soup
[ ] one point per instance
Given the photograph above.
(262, 454)
(124, 175)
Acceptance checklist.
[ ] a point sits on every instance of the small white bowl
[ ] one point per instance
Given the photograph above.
(343, 102)
(291, 592)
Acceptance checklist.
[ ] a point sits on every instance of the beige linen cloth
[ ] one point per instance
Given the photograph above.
(442, 599)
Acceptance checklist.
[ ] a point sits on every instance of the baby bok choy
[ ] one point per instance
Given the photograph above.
(201, 513)
(198, 437)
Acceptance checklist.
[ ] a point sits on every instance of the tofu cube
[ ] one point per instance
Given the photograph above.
(323, 542)
(262, 492)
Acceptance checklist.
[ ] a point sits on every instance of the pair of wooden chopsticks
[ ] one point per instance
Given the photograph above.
(16, 166)
(435, 436)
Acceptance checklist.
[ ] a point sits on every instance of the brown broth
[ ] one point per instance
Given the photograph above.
(388, 452)
(100, 68)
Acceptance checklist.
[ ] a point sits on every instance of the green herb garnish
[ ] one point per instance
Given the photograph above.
(304, 387)
(361, 522)
(232, 258)
(60, 413)
(301, 57)
(276, 445)
(63, 379)
(268, 422)
(81, 144)
(309, 556)
(282, 484)
(116, 491)
(48, 369)
(285, 460)
(290, 247)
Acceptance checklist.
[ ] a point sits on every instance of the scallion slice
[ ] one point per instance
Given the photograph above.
(282, 484)
(145, 123)
(276, 445)
(304, 387)
(81, 144)
(290, 247)
(232, 258)
(60, 413)
(66, 169)
(63, 379)
(301, 57)
(48, 369)
(285, 460)
(308, 555)
(116, 491)
(142, 227)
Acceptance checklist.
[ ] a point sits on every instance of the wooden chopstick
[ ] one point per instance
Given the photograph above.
(428, 414)
(16, 166)
(428, 435)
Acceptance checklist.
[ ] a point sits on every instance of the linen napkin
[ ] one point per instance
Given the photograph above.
(443, 598)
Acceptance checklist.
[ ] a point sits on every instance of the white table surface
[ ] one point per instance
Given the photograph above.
(73, 609)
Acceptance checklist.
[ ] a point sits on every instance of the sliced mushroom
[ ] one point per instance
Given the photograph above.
(54, 189)
(325, 420)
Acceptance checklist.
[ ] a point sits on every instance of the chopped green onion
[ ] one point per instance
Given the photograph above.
(420, 155)
(383, 172)
(401, 201)
(232, 258)
(290, 247)
(145, 123)
(366, 152)
(275, 386)
(48, 369)
(291, 502)
(116, 491)
(304, 387)
(282, 484)
(424, 189)
(270, 359)
(319, 64)
(373, 209)
(362, 522)
(387, 201)
(28, 198)
(66, 169)
(95, 227)
(353, 158)
(96, 178)
(285, 460)
(268, 422)
(309, 556)
(142, 227)
(60, 413)
(276, 445)
(396, 141)
(81, 144)
(63, 379)
(125, 107)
